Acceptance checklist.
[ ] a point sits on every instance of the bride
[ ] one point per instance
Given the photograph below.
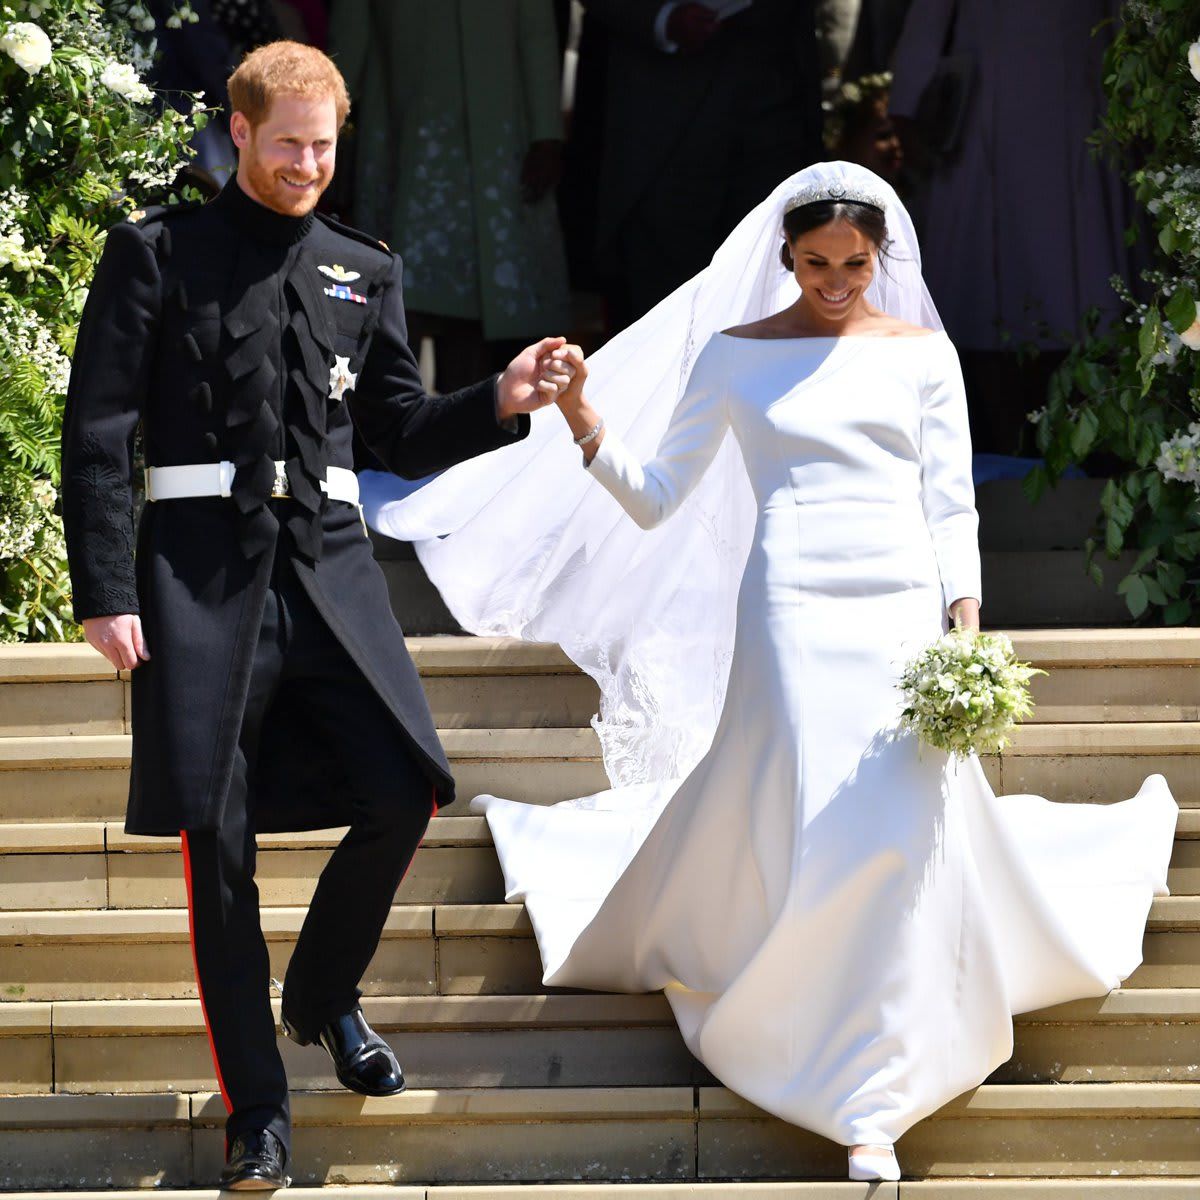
(844, 922)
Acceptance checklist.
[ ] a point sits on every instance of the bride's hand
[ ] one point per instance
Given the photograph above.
(965, 613)
(568, 371)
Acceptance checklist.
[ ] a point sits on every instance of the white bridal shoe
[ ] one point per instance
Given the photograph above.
(872, 1163)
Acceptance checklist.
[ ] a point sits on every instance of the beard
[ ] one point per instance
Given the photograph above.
(270, 189)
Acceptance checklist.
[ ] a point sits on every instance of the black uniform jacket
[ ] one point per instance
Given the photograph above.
(221, 329)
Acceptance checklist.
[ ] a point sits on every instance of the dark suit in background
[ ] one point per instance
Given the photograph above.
(693, 141)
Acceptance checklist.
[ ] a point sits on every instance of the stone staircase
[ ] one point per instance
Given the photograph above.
(105, 1074)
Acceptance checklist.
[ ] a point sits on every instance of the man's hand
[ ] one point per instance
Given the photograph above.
(691, 26)
(119, 639)
(542, 170)
(529, 382)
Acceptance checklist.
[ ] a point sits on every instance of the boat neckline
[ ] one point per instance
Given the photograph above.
(841, 337)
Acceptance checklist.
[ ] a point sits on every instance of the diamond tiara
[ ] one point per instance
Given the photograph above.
(818, 192)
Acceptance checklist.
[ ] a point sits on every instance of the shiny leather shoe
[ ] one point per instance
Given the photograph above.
(362, 1060)
(256, 1163)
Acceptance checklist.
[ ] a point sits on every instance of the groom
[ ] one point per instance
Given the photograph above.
(271, 685)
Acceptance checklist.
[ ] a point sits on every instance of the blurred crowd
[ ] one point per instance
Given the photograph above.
(547, 165)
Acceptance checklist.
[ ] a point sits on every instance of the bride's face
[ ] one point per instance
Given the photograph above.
(834, 266)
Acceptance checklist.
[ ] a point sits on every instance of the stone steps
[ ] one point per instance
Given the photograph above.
(560, 1040)
(97, 865)
(48, 690)
(542, 1135)
(94, 865)
(451, 949)
(107, 1068)
(86, 777)
(1142, 1188)
(477, 683)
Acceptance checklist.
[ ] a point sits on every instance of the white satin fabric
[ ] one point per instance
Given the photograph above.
(844, 922)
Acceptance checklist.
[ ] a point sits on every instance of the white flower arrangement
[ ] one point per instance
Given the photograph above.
(966, 692)
(21, 519)
(81, 141)
(1190, 337)
(14, 253)
(25, 337)
(123, 79)
(185, 14)
(1179, 458)
(27, 45)
(1194, 60)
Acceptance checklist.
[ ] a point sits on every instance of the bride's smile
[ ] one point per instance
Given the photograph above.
(834, 265)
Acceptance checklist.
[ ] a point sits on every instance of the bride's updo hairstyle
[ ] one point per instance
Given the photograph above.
(866, 218)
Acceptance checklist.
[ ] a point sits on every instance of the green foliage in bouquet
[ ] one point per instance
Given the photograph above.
(80, 136)
(1133, 392)
(966, 692)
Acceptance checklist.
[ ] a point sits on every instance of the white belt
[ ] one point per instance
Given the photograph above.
(216, 479)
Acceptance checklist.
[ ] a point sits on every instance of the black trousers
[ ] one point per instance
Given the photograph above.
(393, 801)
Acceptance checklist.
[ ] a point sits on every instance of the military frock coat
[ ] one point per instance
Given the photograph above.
(230, 332)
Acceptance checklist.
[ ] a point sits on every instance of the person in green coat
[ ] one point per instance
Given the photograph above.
(459, 141)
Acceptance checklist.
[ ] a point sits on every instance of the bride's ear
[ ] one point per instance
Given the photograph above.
(785, 257)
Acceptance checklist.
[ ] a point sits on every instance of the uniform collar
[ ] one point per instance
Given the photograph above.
(259, 222)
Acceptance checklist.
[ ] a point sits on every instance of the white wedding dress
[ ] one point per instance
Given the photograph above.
(843, 921)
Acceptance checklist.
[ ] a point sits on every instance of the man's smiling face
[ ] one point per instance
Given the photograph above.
(287, 160)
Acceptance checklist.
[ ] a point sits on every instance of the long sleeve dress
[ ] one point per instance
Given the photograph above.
(844, 921)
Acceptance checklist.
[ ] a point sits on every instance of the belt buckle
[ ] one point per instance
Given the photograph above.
(279, 488)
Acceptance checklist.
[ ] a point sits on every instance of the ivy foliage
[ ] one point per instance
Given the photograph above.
(1131, 393)
(82, 142)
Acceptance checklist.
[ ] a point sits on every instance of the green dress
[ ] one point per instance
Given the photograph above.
(448, 98)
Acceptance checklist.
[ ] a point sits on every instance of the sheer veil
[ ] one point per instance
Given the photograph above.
(522, 543)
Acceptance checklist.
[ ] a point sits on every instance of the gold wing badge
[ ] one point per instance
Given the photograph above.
(339, 273)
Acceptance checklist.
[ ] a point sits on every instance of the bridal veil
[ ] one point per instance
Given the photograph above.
(521, 544)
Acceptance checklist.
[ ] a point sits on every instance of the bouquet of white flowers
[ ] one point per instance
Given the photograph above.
(966, 692)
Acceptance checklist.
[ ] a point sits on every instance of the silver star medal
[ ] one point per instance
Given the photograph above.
(341, 378)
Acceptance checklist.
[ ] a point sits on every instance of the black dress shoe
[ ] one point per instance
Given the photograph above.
(362, 1060)
(256, 1163)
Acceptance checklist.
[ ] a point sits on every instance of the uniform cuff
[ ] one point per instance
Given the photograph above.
(660, 28)
(508, 424)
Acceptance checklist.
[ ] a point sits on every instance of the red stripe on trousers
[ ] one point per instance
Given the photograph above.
(212, 1045)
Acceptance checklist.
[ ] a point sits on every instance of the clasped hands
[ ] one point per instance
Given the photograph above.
(551, 372)
(540, 375)
(555, 374)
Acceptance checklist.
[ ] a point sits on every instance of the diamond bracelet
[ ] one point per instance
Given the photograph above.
(592, 434)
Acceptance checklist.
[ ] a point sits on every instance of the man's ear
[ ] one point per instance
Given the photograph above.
(239, 130)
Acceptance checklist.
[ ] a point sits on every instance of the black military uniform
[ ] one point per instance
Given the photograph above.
(279, 694)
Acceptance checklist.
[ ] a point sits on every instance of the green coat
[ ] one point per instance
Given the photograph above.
(448, 97)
